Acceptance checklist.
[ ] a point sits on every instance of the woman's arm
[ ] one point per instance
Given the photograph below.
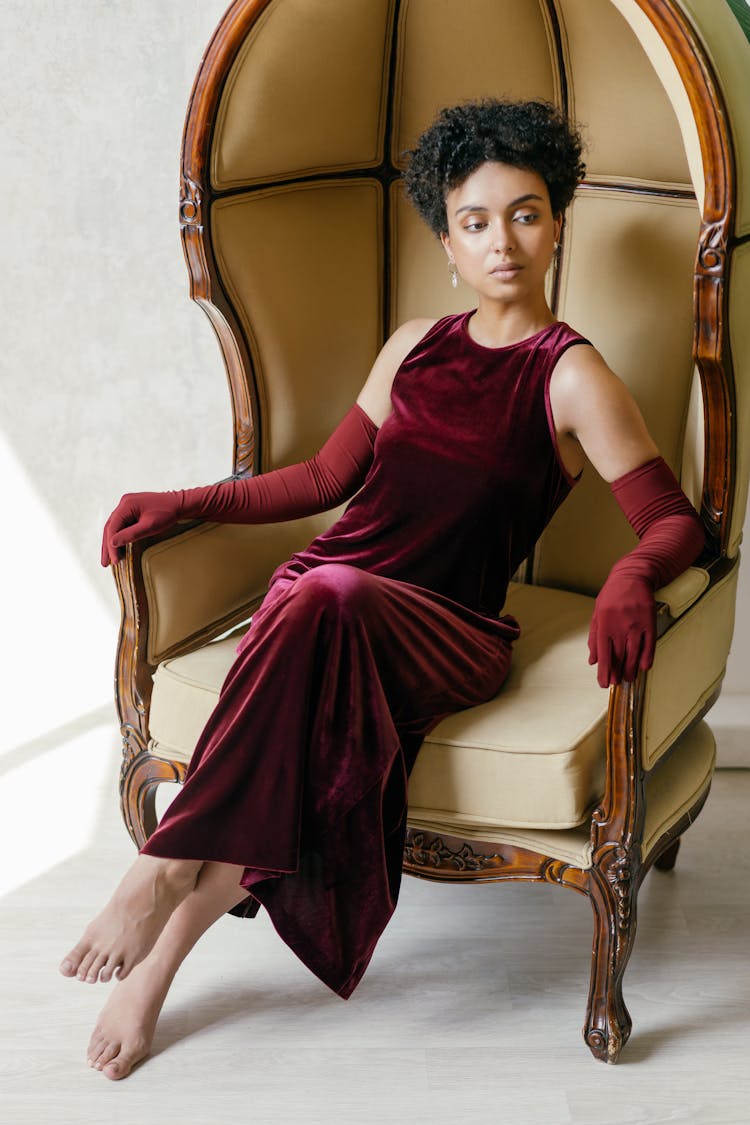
(596, 417)
(333, 475)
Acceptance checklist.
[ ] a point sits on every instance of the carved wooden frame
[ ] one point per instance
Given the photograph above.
(618, 865)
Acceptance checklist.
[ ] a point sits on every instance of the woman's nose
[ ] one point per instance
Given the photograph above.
(502, 242)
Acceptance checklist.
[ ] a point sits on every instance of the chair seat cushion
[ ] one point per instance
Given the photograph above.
(534, 755)
(531, 757)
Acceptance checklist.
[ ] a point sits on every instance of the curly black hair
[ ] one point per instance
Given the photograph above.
(526, 134)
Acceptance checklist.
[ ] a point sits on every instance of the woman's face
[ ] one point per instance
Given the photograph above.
(501, 232)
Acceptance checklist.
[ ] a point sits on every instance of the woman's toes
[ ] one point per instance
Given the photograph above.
(87, 963)
(105, 1057)
(107, 971)
(97, 1045)
(123, 1063)
(95, 968)
(70, 964)
(114, 1071)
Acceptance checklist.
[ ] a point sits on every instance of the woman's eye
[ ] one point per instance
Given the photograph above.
(477, 224)
(526, 217)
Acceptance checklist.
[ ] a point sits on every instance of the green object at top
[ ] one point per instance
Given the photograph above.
(742, 12)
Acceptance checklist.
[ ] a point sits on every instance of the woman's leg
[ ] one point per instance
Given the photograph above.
(125, 1028)
(126, 930)
(300, 772)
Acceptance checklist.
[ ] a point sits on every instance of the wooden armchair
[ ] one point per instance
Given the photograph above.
(304, 255)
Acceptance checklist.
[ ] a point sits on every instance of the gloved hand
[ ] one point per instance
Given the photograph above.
(330, 477)
(622, 636)
(137, 515)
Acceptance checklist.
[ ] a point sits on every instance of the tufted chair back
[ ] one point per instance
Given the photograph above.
(294, 194)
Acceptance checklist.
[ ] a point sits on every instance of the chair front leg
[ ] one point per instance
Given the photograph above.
(612, 891)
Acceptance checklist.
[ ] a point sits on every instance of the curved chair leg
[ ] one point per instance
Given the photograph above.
(141, 777)
(666, 861)
(608, 1022)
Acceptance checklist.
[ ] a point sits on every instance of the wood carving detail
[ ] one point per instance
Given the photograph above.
(712, 249)
(618, 866)
(425, 850)
(191, 203)
(133, 744)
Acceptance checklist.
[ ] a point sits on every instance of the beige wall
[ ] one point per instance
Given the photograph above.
(111, 379)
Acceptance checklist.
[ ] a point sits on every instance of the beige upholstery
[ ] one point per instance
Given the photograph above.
(344, 73)
(632, 129)
(739, 330)
(511, 762)
(672, 790)
(311, 337)
(443, 60)
(688, 667)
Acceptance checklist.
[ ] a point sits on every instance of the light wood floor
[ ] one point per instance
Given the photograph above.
(470, 1012)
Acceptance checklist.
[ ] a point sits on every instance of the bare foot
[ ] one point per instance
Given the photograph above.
(125, 1028)
(126, 930)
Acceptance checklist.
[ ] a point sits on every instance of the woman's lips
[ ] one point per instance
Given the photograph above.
(507, 270)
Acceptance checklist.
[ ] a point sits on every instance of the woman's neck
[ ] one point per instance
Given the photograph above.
(496, 327)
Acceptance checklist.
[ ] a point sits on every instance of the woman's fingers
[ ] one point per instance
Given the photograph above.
(127, 514)
(632, 648)
(137, 515)
(622, 640)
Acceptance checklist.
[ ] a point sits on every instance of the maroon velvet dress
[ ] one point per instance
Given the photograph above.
(385, 624)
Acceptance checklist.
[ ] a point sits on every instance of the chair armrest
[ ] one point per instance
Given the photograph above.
(683, 591)
(688, 667)
(208, 579)
(646, 718)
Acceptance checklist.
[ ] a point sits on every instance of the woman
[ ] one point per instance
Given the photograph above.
(467, 435)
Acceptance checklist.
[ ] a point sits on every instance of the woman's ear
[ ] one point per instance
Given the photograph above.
(445, 239)
(558, 221)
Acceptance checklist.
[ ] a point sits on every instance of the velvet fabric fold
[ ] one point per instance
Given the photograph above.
(300, 775)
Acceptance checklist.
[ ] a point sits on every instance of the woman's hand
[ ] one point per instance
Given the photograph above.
(622, 636)
(137, 515)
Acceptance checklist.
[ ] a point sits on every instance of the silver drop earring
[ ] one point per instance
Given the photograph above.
(453, 274)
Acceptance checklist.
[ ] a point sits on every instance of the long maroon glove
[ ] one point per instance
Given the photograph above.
(622, 637)
(327, 479)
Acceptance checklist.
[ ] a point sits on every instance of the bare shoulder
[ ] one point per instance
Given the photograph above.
(407, 335)
(583, 381)
(579, 366)
(375, 396)
(593, 406)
